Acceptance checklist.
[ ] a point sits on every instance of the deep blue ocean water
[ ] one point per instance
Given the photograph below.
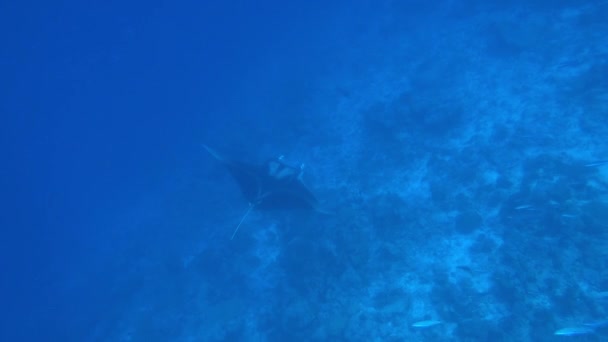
(457, 150)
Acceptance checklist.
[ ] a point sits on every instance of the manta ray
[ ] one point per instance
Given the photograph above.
(273, 185)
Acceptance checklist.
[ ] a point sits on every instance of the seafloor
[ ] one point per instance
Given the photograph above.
(455, 162)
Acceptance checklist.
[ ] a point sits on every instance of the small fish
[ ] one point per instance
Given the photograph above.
(600, 295)
(466, 269)
(574, 331)
(426, 324)
(525, 207)
(570, 216)
(600, 163)
(597, 324)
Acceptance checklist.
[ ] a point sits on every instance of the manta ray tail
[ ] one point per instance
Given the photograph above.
(242, 219)
(213, 153)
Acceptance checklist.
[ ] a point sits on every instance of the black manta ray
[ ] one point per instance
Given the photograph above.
(274, 185)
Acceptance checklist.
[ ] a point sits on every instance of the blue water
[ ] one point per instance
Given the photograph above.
(455, 148)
